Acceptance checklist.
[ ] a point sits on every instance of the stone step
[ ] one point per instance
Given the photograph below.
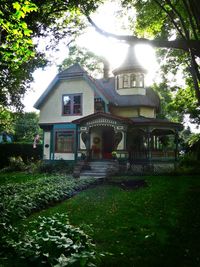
(99, 169)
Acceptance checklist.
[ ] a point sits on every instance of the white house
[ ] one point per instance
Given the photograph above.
(82, 115)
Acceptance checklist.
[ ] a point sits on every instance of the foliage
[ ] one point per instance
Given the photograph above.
(23, 21)
(6, 120)
(20, 200)
(25, 151)
(92, 63)
(50, 241)
(167, 106)
(58, 166)
(16, 43)
(189, 162)
(26, 126)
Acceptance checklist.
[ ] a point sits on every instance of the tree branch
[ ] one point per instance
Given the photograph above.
(180, 18)
(190, 18)
(182, 44)
(195, 9)
(170, 16)
(195, 74)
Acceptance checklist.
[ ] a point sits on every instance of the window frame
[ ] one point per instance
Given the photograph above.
(71, 96)
(56, 150)
(126, 81)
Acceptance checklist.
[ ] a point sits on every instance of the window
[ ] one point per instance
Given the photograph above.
(140, 80)
(126, 81)
(72, 104)
(133, 80)
(64, 142)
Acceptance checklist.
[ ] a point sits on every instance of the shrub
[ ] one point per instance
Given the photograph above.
(25, 151)
(59, 166)
(50, 241)
(189, 164)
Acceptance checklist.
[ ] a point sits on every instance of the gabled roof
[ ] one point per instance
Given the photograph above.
(101, 115)
(73, 72)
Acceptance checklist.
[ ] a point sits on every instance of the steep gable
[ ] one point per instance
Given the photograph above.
(74, 72)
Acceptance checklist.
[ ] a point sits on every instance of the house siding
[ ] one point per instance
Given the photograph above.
(51, 110)
(127, 112)
(147, 112)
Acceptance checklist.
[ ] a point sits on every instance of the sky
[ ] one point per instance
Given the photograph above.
(113, 50)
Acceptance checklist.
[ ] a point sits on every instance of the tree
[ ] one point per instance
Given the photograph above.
(20, 22)
(92, 63)
(6, 120)
(167, 24)
(26, 127)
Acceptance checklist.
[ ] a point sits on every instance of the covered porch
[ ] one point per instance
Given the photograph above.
(101, 134)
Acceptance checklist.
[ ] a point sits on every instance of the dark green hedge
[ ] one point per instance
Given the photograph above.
(25, 151)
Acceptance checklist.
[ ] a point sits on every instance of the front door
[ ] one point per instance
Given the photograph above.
(107, 142)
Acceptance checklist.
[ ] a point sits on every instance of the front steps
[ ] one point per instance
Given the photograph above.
(100, 169)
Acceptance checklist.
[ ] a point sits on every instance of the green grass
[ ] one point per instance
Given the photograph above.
(158, 225)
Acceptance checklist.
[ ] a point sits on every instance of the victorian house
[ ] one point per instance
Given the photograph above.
(83, 117)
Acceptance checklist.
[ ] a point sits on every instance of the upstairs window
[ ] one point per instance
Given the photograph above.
(133, 80)
(64, 142)
(130, 80)
(72, 104)
(126, 83)
(140, 80)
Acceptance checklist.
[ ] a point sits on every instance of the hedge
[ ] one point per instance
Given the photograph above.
(25, 151)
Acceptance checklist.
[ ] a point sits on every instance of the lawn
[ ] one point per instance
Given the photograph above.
(156, 225)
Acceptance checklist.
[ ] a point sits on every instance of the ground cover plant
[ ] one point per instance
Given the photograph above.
(154, 225)
(48, 241)
(22, 199)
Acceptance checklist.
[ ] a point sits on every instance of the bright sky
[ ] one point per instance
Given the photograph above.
(114, 51)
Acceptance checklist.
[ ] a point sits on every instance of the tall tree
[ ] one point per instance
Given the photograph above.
(26, 126)
(20, 22)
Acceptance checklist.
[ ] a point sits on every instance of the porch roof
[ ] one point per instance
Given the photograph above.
(102, 115)
(142, 121)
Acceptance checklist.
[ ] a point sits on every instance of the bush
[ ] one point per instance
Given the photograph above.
(25, 151)
(59, 166)
(189, 164)
(49, 241)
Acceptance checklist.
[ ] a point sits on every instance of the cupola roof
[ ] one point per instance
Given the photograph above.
(130, 63)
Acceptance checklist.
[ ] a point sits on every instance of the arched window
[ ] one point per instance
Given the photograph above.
(140, 80)
(126, 81)
(133, 80)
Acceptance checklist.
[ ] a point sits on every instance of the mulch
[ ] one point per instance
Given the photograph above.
(130, 184)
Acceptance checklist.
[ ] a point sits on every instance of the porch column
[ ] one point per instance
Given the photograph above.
(149, 145)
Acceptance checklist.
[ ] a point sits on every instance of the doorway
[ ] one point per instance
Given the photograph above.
(107, 142)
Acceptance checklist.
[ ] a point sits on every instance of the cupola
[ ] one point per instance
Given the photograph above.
(130, 76)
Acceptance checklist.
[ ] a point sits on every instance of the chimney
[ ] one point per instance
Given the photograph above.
(106, 69)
